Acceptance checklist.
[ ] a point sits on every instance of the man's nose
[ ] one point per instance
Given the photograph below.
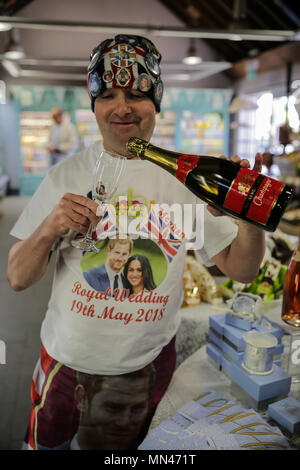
(122, 106)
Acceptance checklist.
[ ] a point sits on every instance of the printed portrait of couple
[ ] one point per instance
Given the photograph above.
(122, 263)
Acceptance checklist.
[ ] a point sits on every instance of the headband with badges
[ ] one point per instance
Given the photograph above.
(126, 61)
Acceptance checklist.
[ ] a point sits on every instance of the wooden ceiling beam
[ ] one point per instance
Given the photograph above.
(265, 6)
(11, 7)
(268, 60)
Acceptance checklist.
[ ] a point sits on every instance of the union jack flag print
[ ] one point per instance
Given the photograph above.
(107, 227)
(162, 233)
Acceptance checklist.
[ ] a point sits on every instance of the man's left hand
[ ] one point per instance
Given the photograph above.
(244, 163)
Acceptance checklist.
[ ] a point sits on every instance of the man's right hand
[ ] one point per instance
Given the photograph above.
(73, 212)
(28, 259)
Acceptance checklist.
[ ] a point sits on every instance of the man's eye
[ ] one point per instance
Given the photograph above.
(137, 96)
(107, 96)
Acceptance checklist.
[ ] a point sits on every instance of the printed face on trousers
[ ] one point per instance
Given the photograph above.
(117, 413)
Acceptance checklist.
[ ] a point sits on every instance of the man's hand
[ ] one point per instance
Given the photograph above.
(73, 212)
(244, 163)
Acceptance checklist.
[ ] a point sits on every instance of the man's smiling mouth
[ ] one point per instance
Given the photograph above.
(124, 123)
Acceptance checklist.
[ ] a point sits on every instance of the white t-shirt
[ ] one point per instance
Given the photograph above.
(92, 331)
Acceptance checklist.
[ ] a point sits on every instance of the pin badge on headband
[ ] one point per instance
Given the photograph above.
(127, 39)
(144, 83)
(158, 91)
(93, 61)
(149, 46)
(95, 84)
(123, 77)
(107, 76)
(152, 65)
(122, 55)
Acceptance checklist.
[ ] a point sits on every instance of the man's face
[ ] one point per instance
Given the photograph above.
(117, 256)
(121, 114)
(117, 413)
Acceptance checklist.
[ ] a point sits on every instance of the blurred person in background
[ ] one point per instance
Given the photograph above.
(63, 140)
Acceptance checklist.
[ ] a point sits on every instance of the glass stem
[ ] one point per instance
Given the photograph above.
(89, 232)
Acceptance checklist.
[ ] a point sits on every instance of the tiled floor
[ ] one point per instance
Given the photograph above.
(21, 314)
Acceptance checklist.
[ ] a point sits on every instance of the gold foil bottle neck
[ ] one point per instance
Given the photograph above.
(137, 146)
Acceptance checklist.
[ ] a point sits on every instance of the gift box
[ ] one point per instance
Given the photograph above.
(272, 328)
(217, 322)
(225, 348)
(259, 387)
(214, 353)
(286, 412)
(233, 336)
(237, 322)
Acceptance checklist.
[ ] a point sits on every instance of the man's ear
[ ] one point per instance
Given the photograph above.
(80, 398)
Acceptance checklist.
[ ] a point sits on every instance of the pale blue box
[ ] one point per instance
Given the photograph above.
(287, 413)
(214, 353)
(232, 353)
(259, 387)
(275, 330)
(230, 333)
(237, 322)
(217, 322)
(217, 340)
(233, 336)
(236, 356)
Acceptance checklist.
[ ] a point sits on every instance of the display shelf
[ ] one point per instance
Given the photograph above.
(34, 131)
(87, 128)
(202, 133)
(164, 134)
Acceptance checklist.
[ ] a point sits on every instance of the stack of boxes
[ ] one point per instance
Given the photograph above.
(226, 348)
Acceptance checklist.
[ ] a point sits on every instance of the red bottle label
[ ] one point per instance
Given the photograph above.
(185, 164)
(264, 200)
(240, 189)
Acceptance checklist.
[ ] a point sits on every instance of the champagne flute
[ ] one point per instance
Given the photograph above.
(107, 174)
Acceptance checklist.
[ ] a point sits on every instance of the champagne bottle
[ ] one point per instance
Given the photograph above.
(291, 291)
(240, 192)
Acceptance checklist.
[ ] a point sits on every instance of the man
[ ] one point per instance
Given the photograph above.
(109, 275)
(105, 336)
(62, 137)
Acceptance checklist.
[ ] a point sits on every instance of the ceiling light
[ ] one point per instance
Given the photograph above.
(14, 50)
(235, 37)
(12, 68)
(5, 26)
(191, 57)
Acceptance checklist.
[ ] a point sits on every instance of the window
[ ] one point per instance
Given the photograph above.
(258, 129)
